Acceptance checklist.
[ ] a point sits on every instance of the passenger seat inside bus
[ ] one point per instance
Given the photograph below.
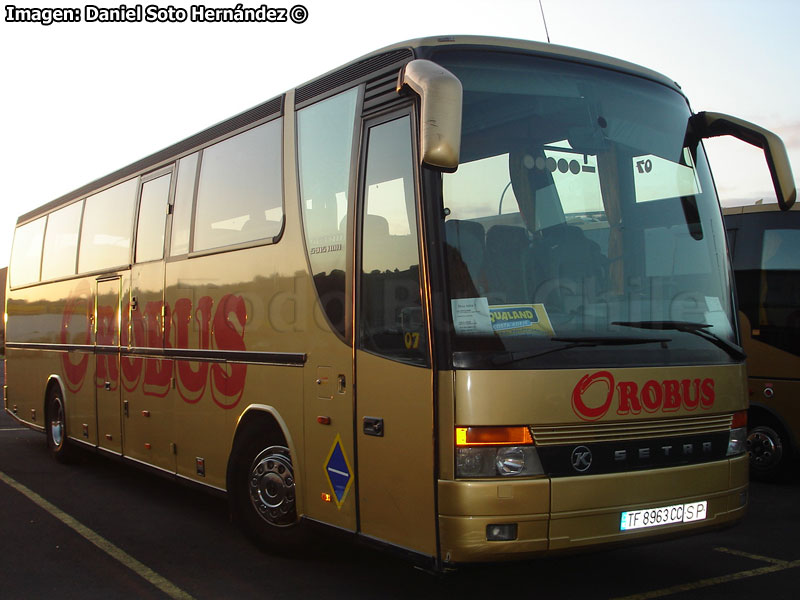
(576, 267)
(377, 242)
(505, 264)
(466, 242)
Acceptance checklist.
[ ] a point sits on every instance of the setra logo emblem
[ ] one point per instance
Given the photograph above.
(581, 459)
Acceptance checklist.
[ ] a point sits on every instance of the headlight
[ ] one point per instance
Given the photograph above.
(518, 460)
(737, 440)
(496, 452)
(476, 462)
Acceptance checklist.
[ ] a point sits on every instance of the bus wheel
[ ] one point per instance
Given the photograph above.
(765, 445)
(271, 486)
(263, 495)
(56, 428)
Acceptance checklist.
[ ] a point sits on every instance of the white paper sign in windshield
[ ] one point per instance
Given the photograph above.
(471, 316)
(657, 178)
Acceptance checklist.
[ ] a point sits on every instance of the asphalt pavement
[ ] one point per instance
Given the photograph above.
(103, 529)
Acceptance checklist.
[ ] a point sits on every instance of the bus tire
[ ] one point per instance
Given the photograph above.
(56, 426)
(766, 445)
(262, 494)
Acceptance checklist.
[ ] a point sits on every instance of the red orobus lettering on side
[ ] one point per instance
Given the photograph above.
(157, 371)
(131, 366)
(107, 370)
(77, 306)
(229, 379)
(654, 396)
(192, 381)
(229, 322)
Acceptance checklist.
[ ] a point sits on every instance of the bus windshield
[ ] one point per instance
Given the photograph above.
(582, 226)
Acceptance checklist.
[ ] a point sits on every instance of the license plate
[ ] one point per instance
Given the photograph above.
(664, 515)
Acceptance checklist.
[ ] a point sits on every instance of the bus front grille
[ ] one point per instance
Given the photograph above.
(558, 435)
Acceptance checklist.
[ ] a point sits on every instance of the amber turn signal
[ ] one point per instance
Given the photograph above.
(493, 436)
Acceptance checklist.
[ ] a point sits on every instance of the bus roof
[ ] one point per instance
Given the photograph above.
(384, 60)
(426, 45)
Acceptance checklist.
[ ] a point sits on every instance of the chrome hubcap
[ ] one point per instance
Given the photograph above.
(271, 484)
(57, 422)
(765, 451)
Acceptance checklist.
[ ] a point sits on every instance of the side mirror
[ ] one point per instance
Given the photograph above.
(440, 112)
(709, 124)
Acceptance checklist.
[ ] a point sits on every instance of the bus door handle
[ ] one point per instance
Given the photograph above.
(373, 426)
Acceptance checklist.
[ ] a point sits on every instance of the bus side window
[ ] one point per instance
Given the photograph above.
(182, 209)
(26, 253)
(60, 255)
(324, 156)
(391, 317)
(240, 192)
(779, 298)
(106, 229)
(152, 219)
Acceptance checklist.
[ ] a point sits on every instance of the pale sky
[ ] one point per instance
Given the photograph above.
(81, 100)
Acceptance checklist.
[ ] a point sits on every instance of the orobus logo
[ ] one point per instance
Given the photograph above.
(666, 396)
(219, 328)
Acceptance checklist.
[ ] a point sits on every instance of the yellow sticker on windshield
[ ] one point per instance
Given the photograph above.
(520, 319)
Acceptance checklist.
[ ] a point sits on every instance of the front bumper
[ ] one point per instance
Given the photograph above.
(572, 513)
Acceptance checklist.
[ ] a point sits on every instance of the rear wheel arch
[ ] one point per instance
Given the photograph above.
(54, 381)
(261, 483)
(758, 414)
(265, 420)
(769, 444)
(55, 420)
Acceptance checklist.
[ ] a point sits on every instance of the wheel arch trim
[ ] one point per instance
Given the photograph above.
(776, 416)
(55, 379)
(261, 410)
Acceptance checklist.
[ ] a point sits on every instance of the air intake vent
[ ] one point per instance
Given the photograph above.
(381, 92)
(544, 435)
(375, 65)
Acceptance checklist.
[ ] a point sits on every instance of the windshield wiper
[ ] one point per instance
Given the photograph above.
(699, 329)
(576, 342)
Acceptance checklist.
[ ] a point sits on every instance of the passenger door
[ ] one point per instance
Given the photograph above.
(394, 378)
(106, 341)
(146, 374)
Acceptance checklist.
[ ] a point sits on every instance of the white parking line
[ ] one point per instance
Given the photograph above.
(113, 551)
(775, 566)
(774, 561)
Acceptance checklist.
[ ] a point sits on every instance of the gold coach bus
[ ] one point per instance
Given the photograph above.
(465, 297)
(765, 248)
